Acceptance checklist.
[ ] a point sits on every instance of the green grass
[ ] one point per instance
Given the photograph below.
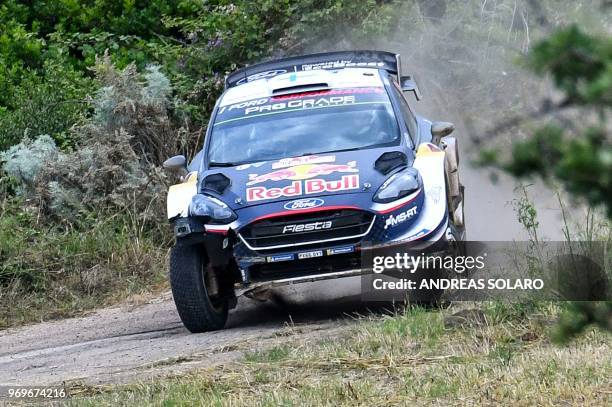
(274, 354)
(397, 360)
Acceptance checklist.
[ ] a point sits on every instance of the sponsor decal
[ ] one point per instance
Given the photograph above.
(394, 220)
(341, 63)
(300, 101)
(297, 188)
(309, 159)
(346, 91)
(303, 171)
(280, 257)
(340, 250)
(306, 203)
(250, 165)
(449, 235)
(310, 255)
(422, 232)
(260, 107)
(261, 75)
(307, 227)
(182, 227)
(428, 150)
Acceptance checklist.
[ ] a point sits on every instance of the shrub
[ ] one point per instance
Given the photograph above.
(141, 108)
(98, 176)
(25, 160)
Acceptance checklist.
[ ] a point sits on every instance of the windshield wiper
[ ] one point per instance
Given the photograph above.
(235, 164)
(342, 150)
(219, 164)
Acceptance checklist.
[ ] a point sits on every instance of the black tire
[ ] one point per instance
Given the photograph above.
(434, 298)
(427, 298)
(199, 313)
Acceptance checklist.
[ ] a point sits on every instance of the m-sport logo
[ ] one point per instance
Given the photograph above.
(401, 217)
(307, 227)
(304, 204)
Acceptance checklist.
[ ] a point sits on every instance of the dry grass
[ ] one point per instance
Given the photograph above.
(54, 272)
(406, 359)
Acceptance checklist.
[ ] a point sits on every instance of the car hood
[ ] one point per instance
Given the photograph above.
(299, 177)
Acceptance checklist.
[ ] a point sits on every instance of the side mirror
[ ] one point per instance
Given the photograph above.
(441, 129)
(178, 162)
(408, 84)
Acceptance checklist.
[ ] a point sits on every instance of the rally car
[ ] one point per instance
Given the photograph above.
(307, 163)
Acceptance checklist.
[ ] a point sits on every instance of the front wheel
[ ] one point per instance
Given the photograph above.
(191, 280)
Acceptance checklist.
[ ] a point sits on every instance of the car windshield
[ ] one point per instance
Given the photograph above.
(300, 124)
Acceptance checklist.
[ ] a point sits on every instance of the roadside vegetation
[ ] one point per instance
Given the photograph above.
(496, 353)
(568, 143)
(94, 95)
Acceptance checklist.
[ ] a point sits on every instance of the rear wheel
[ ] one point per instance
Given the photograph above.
(192, 282)
(424, 297)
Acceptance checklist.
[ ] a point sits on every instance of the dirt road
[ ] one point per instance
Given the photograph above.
(124, 344)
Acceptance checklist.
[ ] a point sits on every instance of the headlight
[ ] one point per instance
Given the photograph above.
(398, 186)
(212, 208)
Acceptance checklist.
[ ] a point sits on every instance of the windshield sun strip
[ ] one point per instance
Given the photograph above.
(301, 110)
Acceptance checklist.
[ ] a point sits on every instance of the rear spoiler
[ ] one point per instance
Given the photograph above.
(388, 61)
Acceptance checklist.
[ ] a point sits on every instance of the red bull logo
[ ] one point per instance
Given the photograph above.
(297, 188)
(303, 171)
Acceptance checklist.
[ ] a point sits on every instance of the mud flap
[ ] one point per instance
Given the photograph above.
(455, 191)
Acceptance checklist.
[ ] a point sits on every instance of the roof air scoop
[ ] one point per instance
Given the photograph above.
(311, 87)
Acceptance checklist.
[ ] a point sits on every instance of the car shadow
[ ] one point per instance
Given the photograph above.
(283, 309)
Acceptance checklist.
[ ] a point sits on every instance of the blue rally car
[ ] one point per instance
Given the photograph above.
(307, 162)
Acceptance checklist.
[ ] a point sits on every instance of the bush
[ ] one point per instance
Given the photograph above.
(88, 222)
(25, 160)
(116, 161)
(126, 102)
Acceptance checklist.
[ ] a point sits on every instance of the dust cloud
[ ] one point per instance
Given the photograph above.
(465, 56)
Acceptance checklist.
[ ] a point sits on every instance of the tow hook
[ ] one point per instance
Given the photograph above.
(182, 228)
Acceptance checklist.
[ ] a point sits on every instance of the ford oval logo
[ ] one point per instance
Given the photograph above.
(304, 204)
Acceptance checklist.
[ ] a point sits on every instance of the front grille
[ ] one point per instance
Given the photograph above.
(307, 228)
(305, 267)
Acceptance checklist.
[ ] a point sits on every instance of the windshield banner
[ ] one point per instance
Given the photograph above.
(300, 101)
